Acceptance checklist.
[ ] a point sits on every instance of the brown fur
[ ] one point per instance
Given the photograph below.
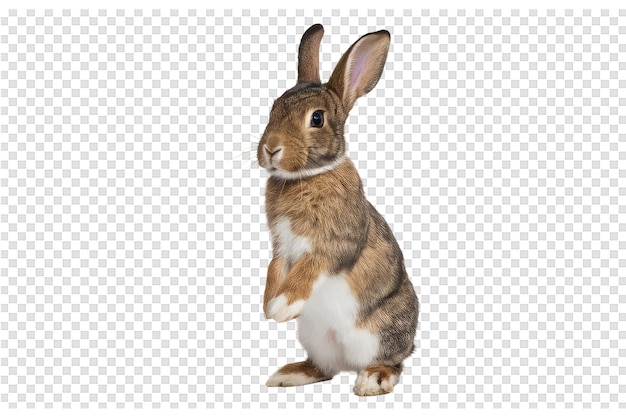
(298, 284)
(346, 234)
(306, 368)
(274, 279)
(308, 63)
(384, 372)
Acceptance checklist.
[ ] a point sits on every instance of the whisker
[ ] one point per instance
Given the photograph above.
(248, 155)
(244, 155)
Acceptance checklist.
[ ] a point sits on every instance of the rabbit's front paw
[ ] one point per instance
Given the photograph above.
(280, 310)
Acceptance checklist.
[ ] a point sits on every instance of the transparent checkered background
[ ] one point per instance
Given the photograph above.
(133, 244)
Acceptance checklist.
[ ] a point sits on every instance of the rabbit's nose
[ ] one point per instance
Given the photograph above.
(271, 153)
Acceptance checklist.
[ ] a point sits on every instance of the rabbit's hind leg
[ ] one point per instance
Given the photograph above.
(298, 373)
(377, 380)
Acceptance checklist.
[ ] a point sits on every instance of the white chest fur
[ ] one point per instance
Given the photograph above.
(290, 246)
(327, 331)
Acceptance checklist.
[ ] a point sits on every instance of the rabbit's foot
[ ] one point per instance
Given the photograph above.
(298, 373)
(279, 309)
(377, 380)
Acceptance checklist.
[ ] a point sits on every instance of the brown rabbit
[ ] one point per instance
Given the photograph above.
(336, 265)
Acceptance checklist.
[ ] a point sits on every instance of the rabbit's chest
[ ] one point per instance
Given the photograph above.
(289, 245)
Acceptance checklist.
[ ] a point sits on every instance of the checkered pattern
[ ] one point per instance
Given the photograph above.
(133, 244)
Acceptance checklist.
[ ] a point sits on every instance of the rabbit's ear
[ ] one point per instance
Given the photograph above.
(309, 55)
(360, 68)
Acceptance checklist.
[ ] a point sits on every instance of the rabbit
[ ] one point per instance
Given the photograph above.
(336, 265)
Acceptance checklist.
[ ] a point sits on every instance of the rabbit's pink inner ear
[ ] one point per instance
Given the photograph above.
(357, 72)
(365, 65)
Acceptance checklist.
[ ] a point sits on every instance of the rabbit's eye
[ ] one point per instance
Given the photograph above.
(317, 119)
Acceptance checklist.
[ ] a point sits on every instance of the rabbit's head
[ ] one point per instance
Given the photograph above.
(304, 135)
